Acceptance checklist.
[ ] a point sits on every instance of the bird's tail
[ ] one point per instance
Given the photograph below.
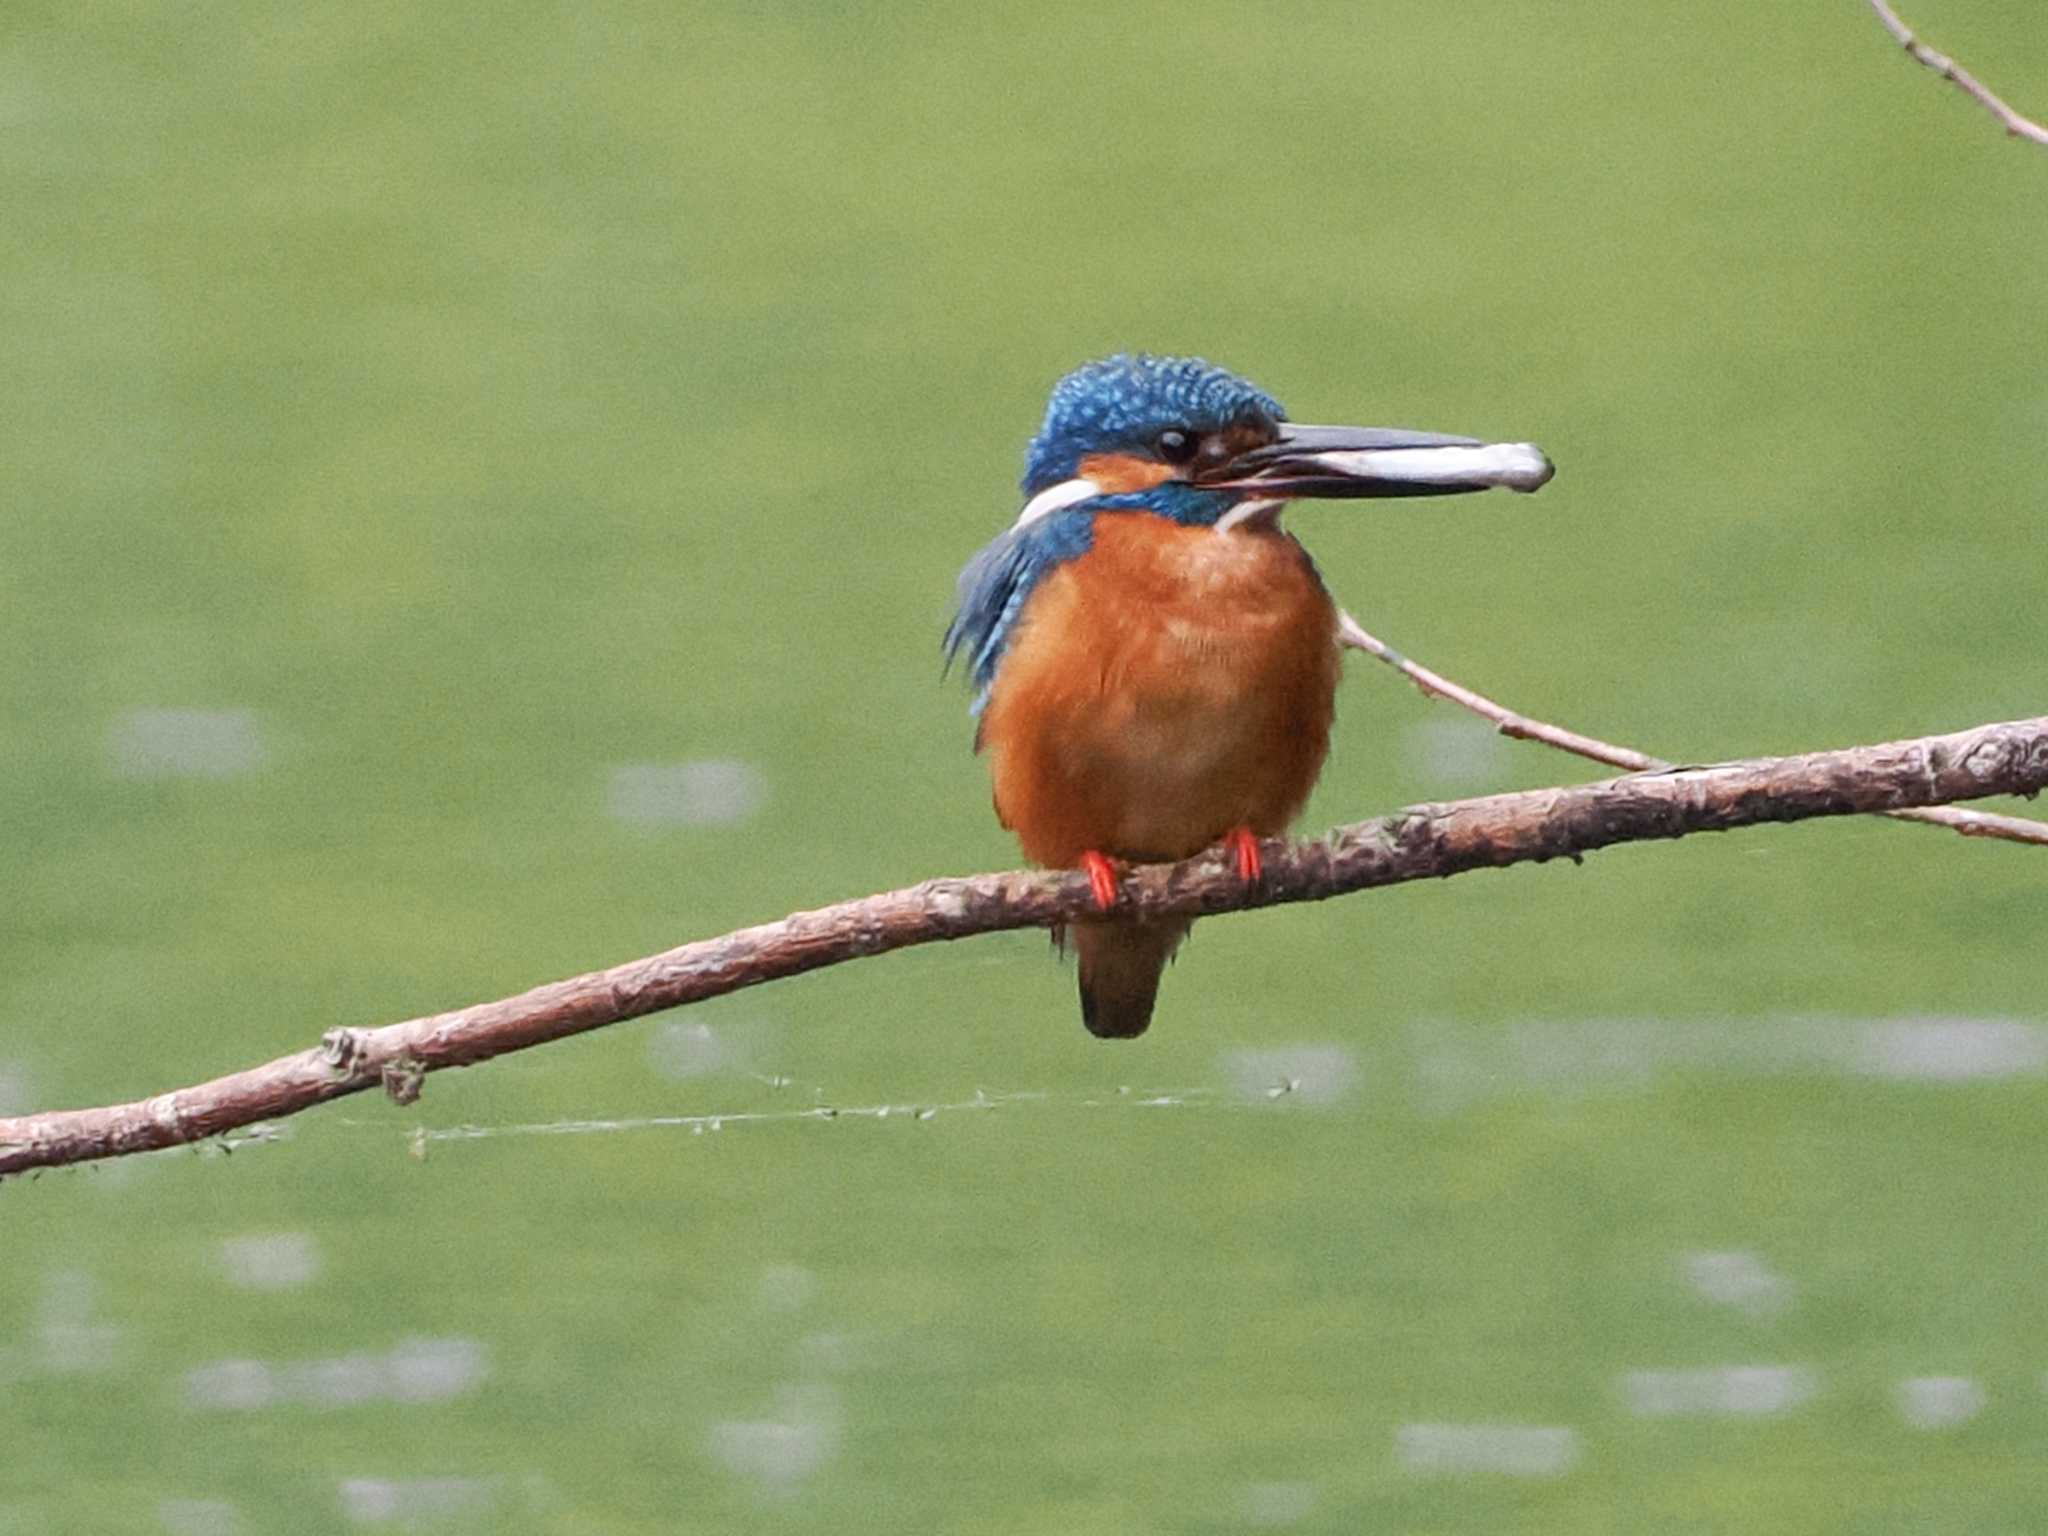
(1120, 964)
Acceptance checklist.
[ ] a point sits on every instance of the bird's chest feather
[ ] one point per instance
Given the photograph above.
(1170, 684)
(1168, 622)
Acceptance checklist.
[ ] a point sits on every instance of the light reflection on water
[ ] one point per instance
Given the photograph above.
(1277, 1504)
(185, 744)
(1939, 1402)
(415, 1500)
(1732, 1391)
(1459, 1065)
(705, 792)
(1513, 1450)
(799, 1434)
(1737, 1279)
(415, 1370)
(270, 1261)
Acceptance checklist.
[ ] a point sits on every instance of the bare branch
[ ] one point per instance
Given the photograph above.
(2017, 126)
(1419, 843)
(1350, 632)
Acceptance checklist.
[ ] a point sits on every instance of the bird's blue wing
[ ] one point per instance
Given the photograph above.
(995, 583)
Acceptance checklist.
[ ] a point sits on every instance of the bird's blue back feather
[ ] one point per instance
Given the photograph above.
(995, 583)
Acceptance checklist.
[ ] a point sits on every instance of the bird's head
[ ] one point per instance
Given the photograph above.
(1192, 442)
(1181, 439)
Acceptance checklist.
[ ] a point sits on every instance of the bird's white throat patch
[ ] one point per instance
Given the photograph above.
(1261, 511)
(1054, 497)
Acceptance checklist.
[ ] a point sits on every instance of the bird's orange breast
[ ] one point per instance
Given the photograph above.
(1169, 685)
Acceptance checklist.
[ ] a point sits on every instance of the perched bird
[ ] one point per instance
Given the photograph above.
(1154, 659)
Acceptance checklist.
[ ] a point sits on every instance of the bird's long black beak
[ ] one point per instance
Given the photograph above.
(1377, 461)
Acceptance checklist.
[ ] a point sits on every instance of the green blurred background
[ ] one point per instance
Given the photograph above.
(482, 491)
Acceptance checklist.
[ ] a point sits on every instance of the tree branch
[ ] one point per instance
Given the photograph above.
(1421, 842)
(2016, 126)
(2016, 829)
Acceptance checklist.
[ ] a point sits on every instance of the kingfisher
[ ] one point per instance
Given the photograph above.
(1153, 658)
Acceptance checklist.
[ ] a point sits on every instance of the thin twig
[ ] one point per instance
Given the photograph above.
(2016, 125)
(1419, 843)
(1523, 728)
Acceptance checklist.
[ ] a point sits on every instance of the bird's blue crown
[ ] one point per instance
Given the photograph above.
(1122, 403)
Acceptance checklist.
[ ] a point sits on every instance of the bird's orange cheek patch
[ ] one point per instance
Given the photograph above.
(1119, 472)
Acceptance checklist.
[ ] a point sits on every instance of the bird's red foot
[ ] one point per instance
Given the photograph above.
(1101, 877)
(1245, 849)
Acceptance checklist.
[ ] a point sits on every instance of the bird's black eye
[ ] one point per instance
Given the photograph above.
(1175, 446)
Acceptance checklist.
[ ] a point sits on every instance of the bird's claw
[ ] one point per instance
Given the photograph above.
(1244, 848)
(1101, 871)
